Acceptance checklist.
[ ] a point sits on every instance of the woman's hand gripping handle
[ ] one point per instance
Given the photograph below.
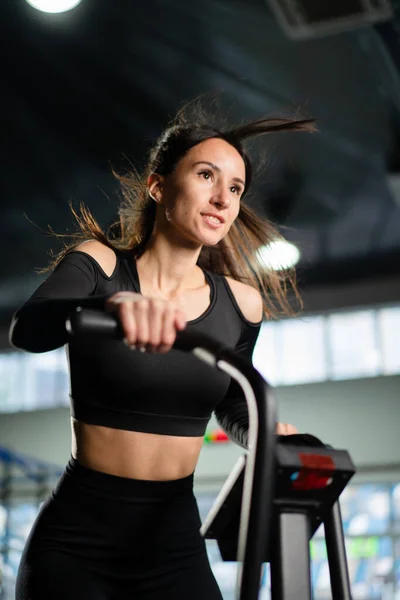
(148, 324)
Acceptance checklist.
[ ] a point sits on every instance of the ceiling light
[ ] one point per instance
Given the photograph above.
(54, 6)
(278, 255)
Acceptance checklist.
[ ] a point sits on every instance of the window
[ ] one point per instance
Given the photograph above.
(265, 357)
(10, 381)
(302, 350)
(346, 345)
(353, 345)
(33, 381)
(389, 332)
(292, 351)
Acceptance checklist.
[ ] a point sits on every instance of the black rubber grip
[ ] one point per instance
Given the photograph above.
(84, 322)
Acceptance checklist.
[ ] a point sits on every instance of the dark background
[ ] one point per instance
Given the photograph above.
(84, 90)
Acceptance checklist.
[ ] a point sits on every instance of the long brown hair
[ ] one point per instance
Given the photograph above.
(236, 255)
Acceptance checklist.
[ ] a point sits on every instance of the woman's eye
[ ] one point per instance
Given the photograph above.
(236, 190)
(206, 174)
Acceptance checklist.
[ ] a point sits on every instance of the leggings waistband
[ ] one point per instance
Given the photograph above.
(79, 476)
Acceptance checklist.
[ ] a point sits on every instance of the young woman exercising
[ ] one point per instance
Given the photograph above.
(123, 522)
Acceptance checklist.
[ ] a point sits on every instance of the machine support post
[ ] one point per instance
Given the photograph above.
(336, 550)
(290, 558)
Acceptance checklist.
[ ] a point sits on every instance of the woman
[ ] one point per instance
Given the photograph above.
(123, 522)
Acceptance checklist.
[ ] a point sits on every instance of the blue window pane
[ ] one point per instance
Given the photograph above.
(397, 576)
(3, 517)
(397, 549)
(370, 563)
(366, 509)
(320, 578)
(21, 517)
(396, 508)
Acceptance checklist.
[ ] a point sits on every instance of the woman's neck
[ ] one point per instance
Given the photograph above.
(169, 270)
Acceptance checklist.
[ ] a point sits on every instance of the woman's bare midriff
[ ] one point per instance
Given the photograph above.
(134, 454)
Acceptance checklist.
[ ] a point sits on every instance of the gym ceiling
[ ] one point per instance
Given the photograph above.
(92, 88)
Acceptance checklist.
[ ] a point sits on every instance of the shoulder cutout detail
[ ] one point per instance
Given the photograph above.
(104, 256)
(248, 299)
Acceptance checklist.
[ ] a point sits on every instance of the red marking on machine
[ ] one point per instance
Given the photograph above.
(315, 473)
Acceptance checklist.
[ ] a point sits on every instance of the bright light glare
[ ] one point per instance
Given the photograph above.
(54, 6)
(278, 255)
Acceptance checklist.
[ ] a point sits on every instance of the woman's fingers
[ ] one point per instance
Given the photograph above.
(147, 323)
(285, 429)
(155, 320)
(128, 322)
(168, 333)
(180, 319)
(141, 314)
(122, 304)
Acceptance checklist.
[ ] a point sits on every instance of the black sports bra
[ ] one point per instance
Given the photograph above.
(171, 394)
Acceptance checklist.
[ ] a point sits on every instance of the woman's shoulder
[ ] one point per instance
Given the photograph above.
(248, 298)
(105, 256)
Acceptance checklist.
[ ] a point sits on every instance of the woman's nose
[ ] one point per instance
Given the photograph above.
(221, 198)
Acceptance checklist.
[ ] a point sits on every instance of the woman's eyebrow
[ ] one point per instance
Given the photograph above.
(206, 162)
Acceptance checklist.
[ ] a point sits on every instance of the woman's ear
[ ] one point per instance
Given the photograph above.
(155, 186)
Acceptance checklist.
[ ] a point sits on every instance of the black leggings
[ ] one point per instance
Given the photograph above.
(102, 537)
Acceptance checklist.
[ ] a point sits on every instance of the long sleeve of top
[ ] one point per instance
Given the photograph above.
(39, 325)
(232, 413)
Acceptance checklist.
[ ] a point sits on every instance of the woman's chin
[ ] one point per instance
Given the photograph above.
(203, 238)
(210, 241)
(210, 237)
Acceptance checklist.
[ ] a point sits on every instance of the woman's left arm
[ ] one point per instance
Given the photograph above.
(231, 412)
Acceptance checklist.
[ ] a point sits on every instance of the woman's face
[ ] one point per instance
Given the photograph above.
(201, 198)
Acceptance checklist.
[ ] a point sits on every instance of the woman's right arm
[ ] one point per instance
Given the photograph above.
(39, 325)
